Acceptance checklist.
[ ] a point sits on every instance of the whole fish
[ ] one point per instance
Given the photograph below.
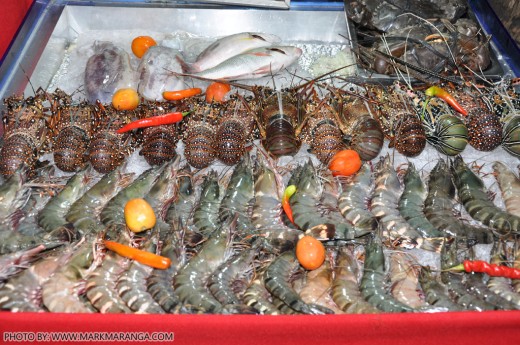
(229, 46)
(107, 71)
(154, 73)
(252, 64)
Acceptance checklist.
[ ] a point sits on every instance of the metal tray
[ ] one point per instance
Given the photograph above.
(55, 31)
(501, 62)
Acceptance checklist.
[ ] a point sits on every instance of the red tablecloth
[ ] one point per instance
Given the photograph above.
(12, 13)
(459, 328)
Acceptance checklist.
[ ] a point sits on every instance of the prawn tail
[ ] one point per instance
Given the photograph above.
(432, 244)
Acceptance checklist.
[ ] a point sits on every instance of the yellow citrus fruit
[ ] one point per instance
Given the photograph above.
(139, 215)
(125, 99)
(141, 44)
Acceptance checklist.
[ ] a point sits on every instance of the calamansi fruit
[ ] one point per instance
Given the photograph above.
(141, 44)
(310, 252)
(125, 99)
(345, 163)
(216, 92)
(139, 215)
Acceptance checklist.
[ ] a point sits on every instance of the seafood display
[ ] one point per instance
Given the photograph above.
(431, 38)
(224, 236)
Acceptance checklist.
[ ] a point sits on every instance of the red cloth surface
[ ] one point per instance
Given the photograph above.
(12, 13)
(418, 329)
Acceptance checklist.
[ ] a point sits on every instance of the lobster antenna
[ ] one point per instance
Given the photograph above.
(440, 34)
(397, 71)
(27, 76)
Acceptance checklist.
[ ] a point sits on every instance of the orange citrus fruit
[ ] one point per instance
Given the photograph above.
(310, 252)
(217, 91)
(345, 163)
(141, 44)
(139, 215)
(125, 99)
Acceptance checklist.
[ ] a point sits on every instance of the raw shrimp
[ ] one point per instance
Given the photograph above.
(84, 213)
(502, 285)
(13, 195)
(231, 278)
(305, 211)
(267, 207)
(318, 286)
(190, 282)
(205, 215)
(52, 216)
(454, 281)
(439, 205)
(239, 192)
(373, 282)
(404, 277)
(101, 282)
(23, 292)
(160, 282)
(354, 198)
(131, 285)
(277, 283)
(43, 188)
(411, 204)
(384, 207)
(509, 185)
(13, 241)
(472, 193)
(181, 209)
(436, 293)
(476, 286)
(345, 288)
(257, 296)
(113, 212)
(63, 293)
(11, 264)
(164, 190)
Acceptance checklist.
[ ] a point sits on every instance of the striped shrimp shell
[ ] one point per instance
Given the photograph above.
(354, 199)
(345, 288)
(373, 281)
(473, 196)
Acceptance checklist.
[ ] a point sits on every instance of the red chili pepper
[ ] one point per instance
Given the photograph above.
(144, 257)
(490, 269)
(181, 94)
(289, 191)
(166, 119)
(435, 91)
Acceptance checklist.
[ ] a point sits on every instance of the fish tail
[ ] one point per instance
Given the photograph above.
(187, 68)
